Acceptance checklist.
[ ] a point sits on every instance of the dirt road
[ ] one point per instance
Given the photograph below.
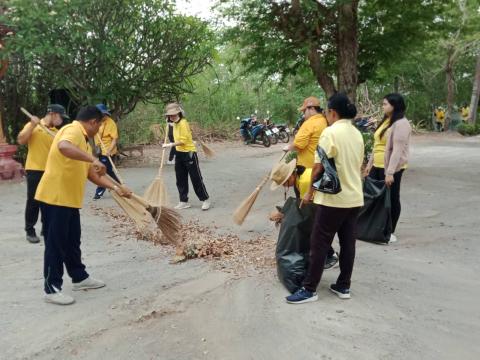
(415, 299)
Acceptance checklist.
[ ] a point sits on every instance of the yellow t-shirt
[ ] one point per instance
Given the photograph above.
(306, 140)
(108, 131)
(182, 133)
(440, 115)
(344, 143)
(465, 113)
(303, 182)
(38, 147)
(379, 145)
(63, 183)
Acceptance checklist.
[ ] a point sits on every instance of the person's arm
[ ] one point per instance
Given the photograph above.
(301, 140)
(27, 131)
(400, 139)
(104, 182)
(185, 135)
(316, 171)
(112, 146)
(111, 130)
(71, 151)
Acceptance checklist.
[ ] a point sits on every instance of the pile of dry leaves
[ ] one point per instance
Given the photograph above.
(226, 251)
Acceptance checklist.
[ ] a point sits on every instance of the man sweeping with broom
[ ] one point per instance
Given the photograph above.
(61, 192)
(186, 159)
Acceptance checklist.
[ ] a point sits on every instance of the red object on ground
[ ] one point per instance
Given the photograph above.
(9, 168)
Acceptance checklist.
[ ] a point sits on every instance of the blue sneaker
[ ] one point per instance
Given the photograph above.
(340, 292)
(301, 296)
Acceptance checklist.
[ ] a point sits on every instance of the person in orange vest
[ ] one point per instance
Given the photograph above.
(38, 142)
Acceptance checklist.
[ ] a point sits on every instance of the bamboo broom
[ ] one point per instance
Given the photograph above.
(156, 193)
(242, 211)
(244, 208)
(209, 153)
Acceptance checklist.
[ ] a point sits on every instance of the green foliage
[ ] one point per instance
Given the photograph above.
(121, 52)
(368, 141)
(468, 129)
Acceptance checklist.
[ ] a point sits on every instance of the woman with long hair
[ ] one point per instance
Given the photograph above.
(391, 151)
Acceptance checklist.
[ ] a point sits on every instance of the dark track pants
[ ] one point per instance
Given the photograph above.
(186, 164)
(62, 246)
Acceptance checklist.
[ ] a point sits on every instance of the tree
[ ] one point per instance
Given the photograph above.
(475, 94)
(341, 41)
(116, 51)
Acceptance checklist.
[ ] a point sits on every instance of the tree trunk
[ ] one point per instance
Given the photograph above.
(347, 48)
(450, 89)
(472, 117)
(323, 79)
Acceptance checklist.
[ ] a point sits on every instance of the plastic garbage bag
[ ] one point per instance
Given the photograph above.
(293, 243)
(374, 222)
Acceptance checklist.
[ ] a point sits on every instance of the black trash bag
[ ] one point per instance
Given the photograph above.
(375, 219)
(293, 245)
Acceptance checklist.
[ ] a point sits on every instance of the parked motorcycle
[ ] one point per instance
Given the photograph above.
(254, 133)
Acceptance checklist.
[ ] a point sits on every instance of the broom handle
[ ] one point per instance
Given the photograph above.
(163, 150)
(43, 127)
(110, 159)
(134, 196)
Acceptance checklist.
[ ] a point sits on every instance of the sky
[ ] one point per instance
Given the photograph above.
(200, 8)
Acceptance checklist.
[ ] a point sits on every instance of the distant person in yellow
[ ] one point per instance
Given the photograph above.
(109, 134)
(186, 159)
(61, 191)
(440, 118)
(38, 142)
(306, 139)
(465, 112)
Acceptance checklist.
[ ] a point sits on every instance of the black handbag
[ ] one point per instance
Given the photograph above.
(328, 182)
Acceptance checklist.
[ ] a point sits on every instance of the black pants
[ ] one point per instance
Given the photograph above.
(186, 163)
(32, 207)
(173, 150)
(328, 222)
(62, 246)
(379, 174)
(104, 159)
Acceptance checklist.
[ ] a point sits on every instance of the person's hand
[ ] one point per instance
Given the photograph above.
(123, 190)
(366, 171)
(389, 180)
(109, 153)
(169, 145)
(34, 121)
(286, 148)
(308, 197)
(99, 167)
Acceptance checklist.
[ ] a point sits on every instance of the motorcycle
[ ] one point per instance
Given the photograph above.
(279, 132)
(254, 133)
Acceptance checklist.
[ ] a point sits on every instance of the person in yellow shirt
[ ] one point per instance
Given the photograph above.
(108, 132)
(186, 159)
(61, 192)
(306, 139)
(465, 112)
(439, 118)
(38, 142)
(336, 213)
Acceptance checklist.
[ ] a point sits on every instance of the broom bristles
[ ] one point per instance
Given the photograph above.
(242, 211)
(209, 153)
(134, 211)
(169, 222)
(156, 193)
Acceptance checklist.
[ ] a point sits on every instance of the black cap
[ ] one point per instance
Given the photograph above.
(59, 109)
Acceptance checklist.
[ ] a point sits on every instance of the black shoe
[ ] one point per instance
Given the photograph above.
(340, 292)
(331, 262)
(33, 238)
(96, 197)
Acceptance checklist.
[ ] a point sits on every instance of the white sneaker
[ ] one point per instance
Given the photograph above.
(88, 283)
(182, 205)
(59, 298)
(206, 205)
(393, 239)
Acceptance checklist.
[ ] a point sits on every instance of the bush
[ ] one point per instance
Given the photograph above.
(468, 129)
